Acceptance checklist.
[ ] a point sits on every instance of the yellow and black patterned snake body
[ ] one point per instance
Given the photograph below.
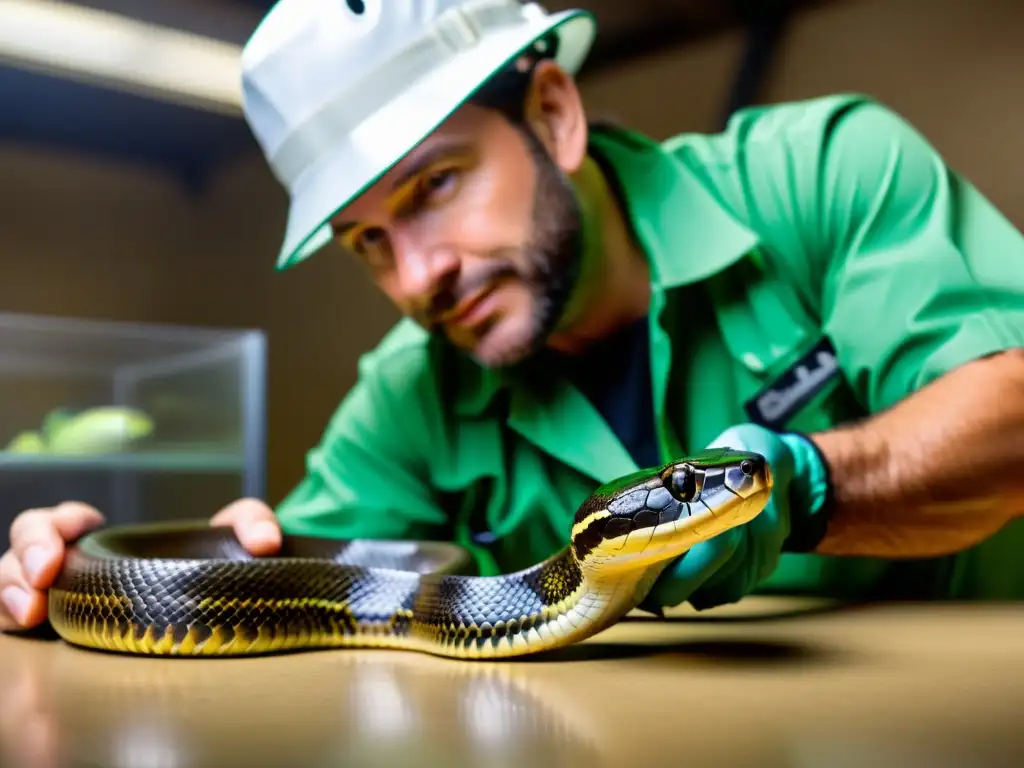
(191, 589)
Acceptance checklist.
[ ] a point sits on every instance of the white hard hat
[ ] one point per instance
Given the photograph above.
(338, 91)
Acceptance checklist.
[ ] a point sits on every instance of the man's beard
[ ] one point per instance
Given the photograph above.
(548, 265)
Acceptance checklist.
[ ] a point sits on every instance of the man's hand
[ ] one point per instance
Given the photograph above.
(728, 567)
(38, 538)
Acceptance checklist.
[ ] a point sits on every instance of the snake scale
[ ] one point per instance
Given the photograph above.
(190, 589)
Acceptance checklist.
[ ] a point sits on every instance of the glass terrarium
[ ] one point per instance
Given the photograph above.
(145, 422)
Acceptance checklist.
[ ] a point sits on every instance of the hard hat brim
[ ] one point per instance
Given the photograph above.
(376, 145)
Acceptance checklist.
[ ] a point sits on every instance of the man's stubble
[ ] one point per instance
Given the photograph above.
(548, 265)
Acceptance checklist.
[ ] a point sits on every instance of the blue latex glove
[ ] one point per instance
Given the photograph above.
(728, 567)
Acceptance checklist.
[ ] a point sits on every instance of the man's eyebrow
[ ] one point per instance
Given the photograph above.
(439, 151)
(343, 228)
(430, 156)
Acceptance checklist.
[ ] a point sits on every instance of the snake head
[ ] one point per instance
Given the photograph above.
(657, 514)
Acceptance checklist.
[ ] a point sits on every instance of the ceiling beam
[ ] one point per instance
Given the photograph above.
(121, 52)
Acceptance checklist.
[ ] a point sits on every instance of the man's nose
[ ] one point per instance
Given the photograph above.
(425, 272)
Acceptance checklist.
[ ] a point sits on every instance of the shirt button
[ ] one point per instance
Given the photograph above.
(484, 537)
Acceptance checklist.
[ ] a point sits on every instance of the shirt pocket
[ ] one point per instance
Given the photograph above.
(788, 377)
(805, 391)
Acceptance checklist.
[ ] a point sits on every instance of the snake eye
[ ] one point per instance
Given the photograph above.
(681, 482)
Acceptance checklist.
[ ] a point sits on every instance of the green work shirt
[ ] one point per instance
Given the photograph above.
(829, 221)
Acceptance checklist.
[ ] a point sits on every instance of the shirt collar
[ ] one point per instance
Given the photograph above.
(687, 233)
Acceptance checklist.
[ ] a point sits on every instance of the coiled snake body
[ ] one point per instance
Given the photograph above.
(191, 589)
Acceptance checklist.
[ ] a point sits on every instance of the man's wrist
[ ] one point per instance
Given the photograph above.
(811, 494)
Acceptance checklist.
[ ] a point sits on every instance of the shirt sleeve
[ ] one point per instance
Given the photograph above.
(917, 272)
(369, 475)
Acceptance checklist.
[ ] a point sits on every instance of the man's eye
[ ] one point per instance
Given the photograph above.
(372, 246)
(369, 238)
(438, 178)
(438, 181)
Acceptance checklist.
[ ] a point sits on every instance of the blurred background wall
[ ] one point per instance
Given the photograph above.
(84, 234)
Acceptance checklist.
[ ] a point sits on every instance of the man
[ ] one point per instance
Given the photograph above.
(813, 284)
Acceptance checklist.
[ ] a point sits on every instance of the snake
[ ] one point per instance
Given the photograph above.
(189, 588)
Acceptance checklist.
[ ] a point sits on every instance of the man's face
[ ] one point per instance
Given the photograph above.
(475, 234)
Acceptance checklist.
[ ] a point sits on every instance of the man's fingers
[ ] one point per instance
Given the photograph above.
(254, 524)
(21, 606)
(38, 537)
(37, 545)
(73, 519)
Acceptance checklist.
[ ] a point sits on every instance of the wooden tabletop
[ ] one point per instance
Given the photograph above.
(763, 683)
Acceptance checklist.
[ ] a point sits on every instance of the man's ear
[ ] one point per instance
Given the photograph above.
(554, 109)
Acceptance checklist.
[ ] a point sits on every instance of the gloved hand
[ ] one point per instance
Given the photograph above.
(728, 567)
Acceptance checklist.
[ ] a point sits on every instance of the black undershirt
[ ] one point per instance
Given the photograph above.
(615, 373)
(615, 376)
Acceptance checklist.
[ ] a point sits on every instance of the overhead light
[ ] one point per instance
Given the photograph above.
(115, 51)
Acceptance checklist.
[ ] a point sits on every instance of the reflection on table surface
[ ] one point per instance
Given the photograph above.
(764, 683)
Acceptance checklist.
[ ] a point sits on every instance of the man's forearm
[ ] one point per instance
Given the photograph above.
(937, 473)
